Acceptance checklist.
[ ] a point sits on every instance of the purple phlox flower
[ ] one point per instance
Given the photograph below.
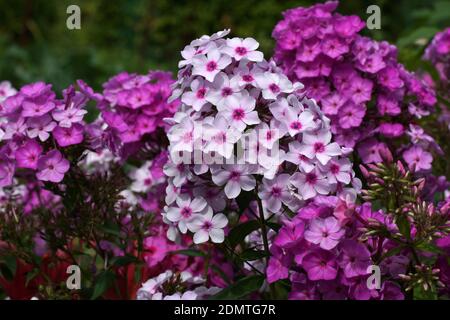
(208, 226)
(275, 192)
(68, 136)
(243, 49)
(310, 184)
(320, 265)
(40, 127)
(235, 178)
(354, 258)
(52, 167)
(210, 65)
(324, 232)
(27, 156)
(319, 145)
(417, 158)
(7, 169)
(240, 112)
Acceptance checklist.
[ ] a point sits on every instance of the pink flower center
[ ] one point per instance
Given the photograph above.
(207, 225)
(226, 91)
(269, 135)
(276, 192)
(302, 157)
(201, 93)
(238, 114)
(220, 138)
(148, 181)
(186, 212)
(211, 66)
(311, 178)
(319, 147)
(334, 168)
(188, 137)
(247, 78)
(274, 88)
(240, 51)
(235, 175)
(296, 125)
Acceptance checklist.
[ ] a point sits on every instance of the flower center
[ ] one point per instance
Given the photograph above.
(211, 66)
(207, 225)
(276, 192)
(220, 138)
(311, 178)
(319, 147)
(201, 93)
(247, 78)
(186, 212)
(240, 51)
(226, 91)
(188, 137)
(235, 175)
(238, 114)
(334, 168)
(296, 125)
(274, 88)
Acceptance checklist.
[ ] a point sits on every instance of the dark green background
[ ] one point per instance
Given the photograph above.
(137, 35)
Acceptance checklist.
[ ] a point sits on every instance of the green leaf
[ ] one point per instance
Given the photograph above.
(190, 253)
(429, 247)
(221, 273)
(404, 227)
(31, 275)
(421, 294)
(241, 288)
(104, 281)
(238, 233)
(125, 260)
(8, 266)
(420, 33)
(111, 228)
(393, 251)
(250, 255)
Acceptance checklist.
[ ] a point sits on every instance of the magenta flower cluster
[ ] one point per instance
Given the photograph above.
(36, 127)
(369, 96)
(438, 53)
(321, 254)
(133, 107)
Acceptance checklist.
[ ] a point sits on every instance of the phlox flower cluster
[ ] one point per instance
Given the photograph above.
(371, 99)
(36, 128)
(132, 107)
(153, 289)
(438, 53)
(320, 252)
(244, 128)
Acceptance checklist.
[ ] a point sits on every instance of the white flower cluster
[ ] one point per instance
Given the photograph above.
(153, 289)
(244, 126)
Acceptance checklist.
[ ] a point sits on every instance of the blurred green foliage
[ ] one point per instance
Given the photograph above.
(137, 35)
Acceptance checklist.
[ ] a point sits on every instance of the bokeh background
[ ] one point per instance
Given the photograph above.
(138, 35)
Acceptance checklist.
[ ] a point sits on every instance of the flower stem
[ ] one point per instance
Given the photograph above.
(264, 237)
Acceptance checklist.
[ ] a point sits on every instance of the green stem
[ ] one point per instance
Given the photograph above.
(264, 237)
